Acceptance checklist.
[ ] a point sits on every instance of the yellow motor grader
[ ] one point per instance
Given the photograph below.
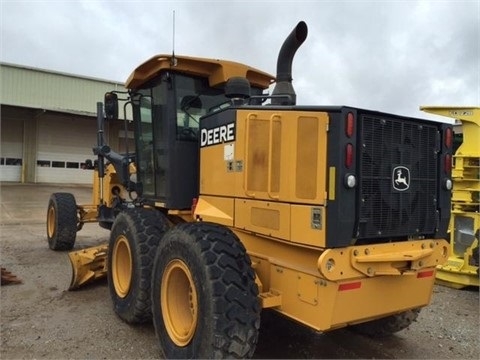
(236, 200)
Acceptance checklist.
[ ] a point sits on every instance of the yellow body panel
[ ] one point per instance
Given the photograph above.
(263, 217)
(252, 167)
(323, 306)
(283, 156)
(306, 229)
(256, 170)
(216, 209)
(219, 176)
(381, 295)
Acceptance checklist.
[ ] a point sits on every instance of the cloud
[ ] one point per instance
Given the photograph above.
(385, 55)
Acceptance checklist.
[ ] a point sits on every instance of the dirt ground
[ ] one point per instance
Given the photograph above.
(40, 319)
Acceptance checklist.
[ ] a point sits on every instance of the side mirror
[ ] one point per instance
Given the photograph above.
(111, 106)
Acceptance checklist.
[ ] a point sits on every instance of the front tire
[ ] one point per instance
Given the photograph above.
(387, 326)
(204, 294)
(62, 220)
(134, 238)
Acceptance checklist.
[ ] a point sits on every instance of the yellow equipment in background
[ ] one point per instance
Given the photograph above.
(461, 269)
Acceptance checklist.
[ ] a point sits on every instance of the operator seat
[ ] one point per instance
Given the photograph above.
(191, 107)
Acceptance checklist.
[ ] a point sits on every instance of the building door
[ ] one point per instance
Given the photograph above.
(65, 143)
(11, 149)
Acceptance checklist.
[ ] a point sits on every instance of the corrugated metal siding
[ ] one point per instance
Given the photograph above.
(36, 88)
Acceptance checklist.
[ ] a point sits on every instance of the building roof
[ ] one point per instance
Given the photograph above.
(52, 90)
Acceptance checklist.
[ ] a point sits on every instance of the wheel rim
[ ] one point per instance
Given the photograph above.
(122, 266)
(51, 222)
(179, 302)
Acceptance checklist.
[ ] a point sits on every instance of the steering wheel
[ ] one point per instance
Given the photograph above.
(188, 133)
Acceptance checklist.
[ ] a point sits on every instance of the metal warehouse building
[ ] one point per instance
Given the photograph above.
(48, 125)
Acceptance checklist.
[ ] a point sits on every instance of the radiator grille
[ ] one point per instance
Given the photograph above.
(398, 178)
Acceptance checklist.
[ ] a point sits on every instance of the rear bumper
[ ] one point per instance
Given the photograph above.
(375, 297)
(349, 285)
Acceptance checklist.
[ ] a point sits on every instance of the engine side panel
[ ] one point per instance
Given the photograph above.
(273, 163)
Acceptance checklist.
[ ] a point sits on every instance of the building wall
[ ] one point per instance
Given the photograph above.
(48, 125)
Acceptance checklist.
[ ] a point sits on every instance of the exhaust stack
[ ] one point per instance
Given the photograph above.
(283, 93)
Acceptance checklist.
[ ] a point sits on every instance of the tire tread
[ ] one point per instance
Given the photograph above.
(234, 293)
(66, 221)
(148, 227)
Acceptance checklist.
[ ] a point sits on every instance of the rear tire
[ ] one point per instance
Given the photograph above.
(388, 325)
(62, 220)
(204, 294)
(133, 242)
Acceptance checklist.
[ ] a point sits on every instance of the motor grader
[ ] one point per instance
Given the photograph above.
(236, 201)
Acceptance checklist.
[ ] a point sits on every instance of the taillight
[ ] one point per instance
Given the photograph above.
(348, 155)
(448, 138)
(448, 164)
(349, 123)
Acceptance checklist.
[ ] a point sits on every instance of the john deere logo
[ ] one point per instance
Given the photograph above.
(401, 178)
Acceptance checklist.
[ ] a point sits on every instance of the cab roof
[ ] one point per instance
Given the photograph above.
(217, 71)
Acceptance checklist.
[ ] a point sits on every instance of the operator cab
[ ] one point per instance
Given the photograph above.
(167, 108)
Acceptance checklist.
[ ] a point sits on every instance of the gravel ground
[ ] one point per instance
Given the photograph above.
(40, 319)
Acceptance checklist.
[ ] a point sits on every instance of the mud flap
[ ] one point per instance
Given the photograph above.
(88, 265)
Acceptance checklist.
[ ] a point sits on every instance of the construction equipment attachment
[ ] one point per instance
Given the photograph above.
(88, 265)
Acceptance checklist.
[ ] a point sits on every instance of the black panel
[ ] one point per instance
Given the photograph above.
(218, 120)
(444, 195)
(181, 171)
(182, 175)
(341, 211)
(398, 177)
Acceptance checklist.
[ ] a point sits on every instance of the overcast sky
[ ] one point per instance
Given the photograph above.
(390, 56)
